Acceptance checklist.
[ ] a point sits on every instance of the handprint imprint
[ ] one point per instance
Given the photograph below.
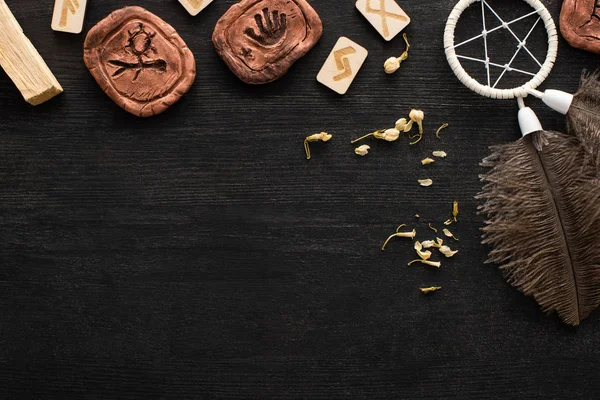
(274, 30)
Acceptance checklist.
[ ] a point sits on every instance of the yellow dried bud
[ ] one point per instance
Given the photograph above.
(401, 124)
(362, 150)
(323, 136)
(447, 251)
(391, 65)
(427, 161)
(440, 154)
(430, 289)
(425, 182)
(417, 116)
(391, 135)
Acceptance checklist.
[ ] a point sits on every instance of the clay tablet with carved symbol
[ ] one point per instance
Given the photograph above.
(580, 24)
(259, 40)
(139, 61)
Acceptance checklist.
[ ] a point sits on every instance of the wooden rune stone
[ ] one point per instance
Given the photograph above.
(260, 40)
(139, 61)
(580, 24)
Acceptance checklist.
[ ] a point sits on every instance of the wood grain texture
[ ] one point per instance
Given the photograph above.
(197, 254)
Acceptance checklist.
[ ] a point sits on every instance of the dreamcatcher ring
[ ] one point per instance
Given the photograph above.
(490, 89)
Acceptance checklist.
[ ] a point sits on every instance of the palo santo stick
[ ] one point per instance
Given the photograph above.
(22, 63)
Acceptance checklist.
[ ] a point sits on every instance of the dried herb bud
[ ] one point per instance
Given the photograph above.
(455, 210)
(390, 135)
(410, 235)
(391, 65)
(449, 234)
(425, 182)
(427, 161)
(437, 133)
(425, 255)
(362, 150)
(417, 116)
(426, 262)
(440, 154)
(429, 290)
(447, 251)
(401, 124)
(323, 137)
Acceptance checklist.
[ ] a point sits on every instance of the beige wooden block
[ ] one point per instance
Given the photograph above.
(342, 65)
(68, 15)
(195, 6)
(22, 63)
(385, 15)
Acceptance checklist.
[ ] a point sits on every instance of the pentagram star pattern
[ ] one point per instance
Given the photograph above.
(522, 44)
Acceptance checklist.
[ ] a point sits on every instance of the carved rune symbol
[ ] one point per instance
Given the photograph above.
(68, 6)
(342, 63)
(139, 44)
(384, 15)
(274, 30)
(196, 3)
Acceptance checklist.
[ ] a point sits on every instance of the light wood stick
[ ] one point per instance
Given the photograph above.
(22, 63)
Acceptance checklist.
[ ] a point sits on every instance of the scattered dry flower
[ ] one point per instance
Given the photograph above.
(417, 116)
(390, 135)
(429, 244)
(323, 136)
(448, 222)
(425, 255)
(455, 210)
(429, 290)
(400, 234)
(426, 262)
(449, 234)
(417, 216)
(392, 64)
(432, 228)
(425, 182)
(440, 154)
(447, 251)
(437, 133)
(427, 161)
(401, 124)
(362, 150)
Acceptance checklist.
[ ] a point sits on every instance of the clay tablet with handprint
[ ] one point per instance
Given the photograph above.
(260, 40)
(139, 61)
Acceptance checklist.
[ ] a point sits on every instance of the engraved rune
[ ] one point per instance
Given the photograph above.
(384, 14)
(274, 30)
(139, 44)
(68, 6)
(196, 3)
(342, 63)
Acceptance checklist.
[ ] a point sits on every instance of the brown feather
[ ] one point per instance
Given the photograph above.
(543, 222)
(583, 118)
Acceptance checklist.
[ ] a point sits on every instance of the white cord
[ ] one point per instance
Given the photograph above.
(490, 90)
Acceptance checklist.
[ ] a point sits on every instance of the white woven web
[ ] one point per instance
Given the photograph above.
(521, 44)
(490, 89)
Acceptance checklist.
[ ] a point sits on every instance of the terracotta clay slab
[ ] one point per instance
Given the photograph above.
(385, 15)
(195, 6)
(342, 65)
(139, 61)
(580, 24)
(68, 15)
(260, 40)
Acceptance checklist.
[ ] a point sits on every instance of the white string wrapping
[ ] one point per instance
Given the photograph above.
(490, 90)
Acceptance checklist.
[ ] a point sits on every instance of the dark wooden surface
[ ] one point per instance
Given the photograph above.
(198, 255)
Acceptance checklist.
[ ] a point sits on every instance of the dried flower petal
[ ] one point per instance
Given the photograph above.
(362, 150)
(323, 136)
(430, 289)
(401, 124)
(427, 244)
(455, 210)
(391, 65)
(437, 133)
(427, 161)
(449, 234)
(425, 182)
(410, 235)
(425, 255)
(391, 135)
(426, 262)
(417, 116)
(440, 154)
(448, 222)
(447, 251)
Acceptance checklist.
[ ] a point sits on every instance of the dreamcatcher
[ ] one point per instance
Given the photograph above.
(540, 196)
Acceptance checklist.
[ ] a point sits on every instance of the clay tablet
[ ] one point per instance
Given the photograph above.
(139, 61)
(580, 24)
(260, 40)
